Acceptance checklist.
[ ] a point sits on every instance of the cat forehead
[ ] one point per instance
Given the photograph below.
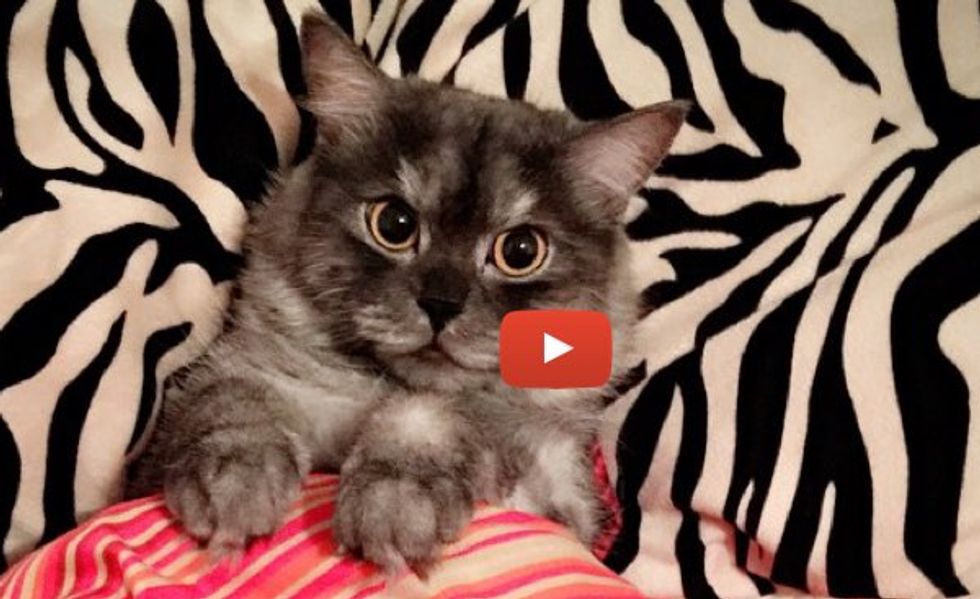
(454, 138)
(443, 181)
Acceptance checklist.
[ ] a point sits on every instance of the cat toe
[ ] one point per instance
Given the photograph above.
(226, 498)
(395, 522)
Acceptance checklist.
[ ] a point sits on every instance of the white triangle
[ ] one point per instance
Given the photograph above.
(554, 348)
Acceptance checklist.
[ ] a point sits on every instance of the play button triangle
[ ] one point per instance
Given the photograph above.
(554, 348)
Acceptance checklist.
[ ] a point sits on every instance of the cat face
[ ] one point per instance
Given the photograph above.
(453, 216)
(434, 211)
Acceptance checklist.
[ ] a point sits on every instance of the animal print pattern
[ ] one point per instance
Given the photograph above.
(810, 256)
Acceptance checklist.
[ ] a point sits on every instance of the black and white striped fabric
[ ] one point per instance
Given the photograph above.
(809, 255)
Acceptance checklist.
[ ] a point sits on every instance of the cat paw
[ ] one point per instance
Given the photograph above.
(229, 489)
(399, 520)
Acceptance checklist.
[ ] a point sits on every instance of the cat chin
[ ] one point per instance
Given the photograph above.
(446, 352)
(435, 370)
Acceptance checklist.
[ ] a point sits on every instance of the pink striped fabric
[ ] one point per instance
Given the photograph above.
(135, 549)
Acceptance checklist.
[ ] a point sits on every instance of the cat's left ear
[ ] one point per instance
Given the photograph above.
(344, 89)
(615, 157)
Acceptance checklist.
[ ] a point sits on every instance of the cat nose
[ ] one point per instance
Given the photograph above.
(443, 294)
(440, 311)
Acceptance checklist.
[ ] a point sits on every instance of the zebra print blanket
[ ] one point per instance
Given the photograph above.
(809, 254)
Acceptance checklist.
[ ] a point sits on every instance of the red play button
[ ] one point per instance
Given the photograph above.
(555, 349)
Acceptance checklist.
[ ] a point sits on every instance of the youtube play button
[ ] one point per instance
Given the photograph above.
(555, 349)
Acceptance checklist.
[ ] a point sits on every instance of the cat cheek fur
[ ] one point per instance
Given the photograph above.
(317, 365)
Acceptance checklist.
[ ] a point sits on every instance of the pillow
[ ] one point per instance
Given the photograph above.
(136, 135)
(136, 549)
(808, 256)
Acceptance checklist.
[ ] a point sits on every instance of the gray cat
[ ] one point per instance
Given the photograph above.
(363, 335)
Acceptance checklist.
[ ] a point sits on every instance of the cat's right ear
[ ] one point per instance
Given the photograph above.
(344, 89)
(615, 157)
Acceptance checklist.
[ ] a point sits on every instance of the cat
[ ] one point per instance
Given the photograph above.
(362, 338)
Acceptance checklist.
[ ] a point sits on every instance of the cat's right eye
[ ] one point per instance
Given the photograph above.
(393, 224)
(519, 251)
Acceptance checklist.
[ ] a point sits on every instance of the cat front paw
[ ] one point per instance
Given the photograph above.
(397, 518)
(233, 486)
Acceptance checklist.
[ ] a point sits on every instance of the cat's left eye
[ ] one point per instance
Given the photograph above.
(393, 224)
(519, 251)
